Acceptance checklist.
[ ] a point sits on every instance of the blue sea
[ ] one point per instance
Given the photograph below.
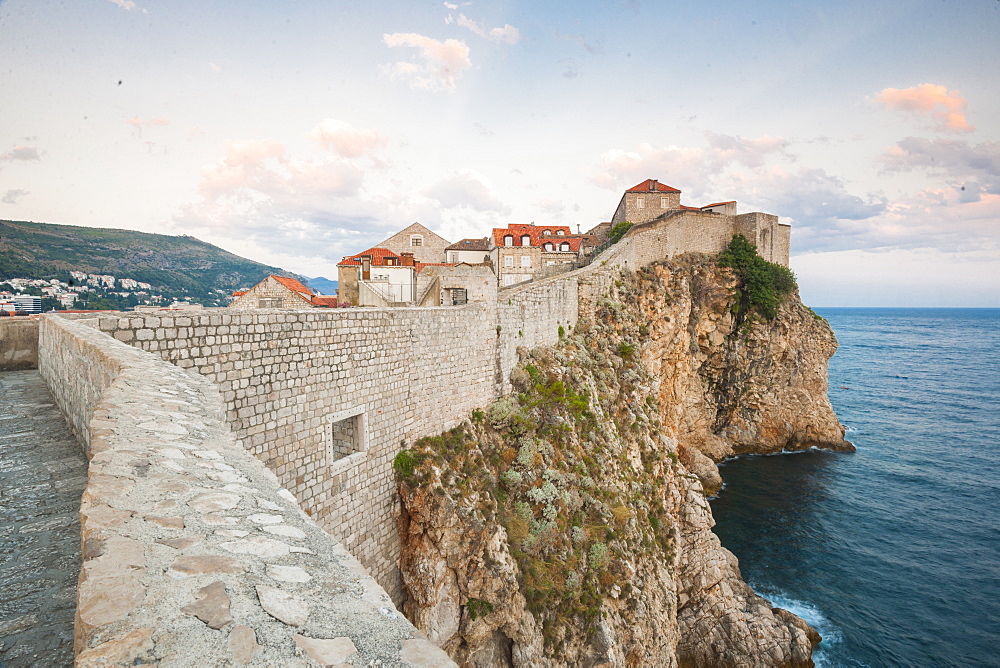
(892, 552)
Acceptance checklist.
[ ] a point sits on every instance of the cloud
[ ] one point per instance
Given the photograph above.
(139, 123)
(127, 5)
(20, 153)
(946, 108)
(973, 166)
(344, 139)
(621, 168)
(508, 34)
(13, 196)
(440, 64)
(469, 190)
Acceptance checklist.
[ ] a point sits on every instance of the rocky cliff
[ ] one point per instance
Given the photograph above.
(567, 524)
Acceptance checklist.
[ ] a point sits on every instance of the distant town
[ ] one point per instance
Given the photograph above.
(82, 291)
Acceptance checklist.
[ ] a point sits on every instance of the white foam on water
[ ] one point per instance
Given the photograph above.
(825, 655)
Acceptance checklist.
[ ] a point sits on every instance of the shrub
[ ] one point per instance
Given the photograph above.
(406, 463)
(597, 557)
(618, 231)
(763, 284)
(478, 608)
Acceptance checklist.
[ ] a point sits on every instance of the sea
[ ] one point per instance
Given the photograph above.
(892, 553)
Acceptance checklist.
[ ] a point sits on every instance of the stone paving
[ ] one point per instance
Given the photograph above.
(42, 475)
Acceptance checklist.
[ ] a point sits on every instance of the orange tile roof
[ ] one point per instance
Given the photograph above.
(324, 301)
(421, 265)
(240, 293)
(708, 206)
(647, 185)
(378, 256)
(292, 284)
(535, 232)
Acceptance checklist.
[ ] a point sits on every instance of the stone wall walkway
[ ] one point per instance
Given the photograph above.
(42, 475)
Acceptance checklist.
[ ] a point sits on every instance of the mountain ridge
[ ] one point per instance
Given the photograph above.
(174, 264)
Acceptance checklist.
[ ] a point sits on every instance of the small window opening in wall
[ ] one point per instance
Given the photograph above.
(269, 302)
(640, 202)
(416, 240)
(459, 296)
(345, 435)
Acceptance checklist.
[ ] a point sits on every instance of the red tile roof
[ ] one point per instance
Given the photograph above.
(647, 186)
(378, 256)
(324, 301)
(537, 233)
(709, 206)
(292, 284)
(421, 265)
(690, 208)
(240, 293)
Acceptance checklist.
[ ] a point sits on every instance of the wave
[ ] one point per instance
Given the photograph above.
(828, 654)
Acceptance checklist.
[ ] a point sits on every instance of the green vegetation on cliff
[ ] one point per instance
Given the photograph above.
(175, 265)
(573, 466)
(763, 284)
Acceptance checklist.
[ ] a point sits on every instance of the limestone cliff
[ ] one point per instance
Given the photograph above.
(568, 525)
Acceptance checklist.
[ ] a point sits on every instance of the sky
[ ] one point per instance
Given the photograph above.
(297, 133)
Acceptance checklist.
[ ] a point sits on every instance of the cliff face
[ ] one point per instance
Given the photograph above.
(568, 524)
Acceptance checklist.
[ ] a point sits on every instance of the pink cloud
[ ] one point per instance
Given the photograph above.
(344, 139)
(20, 153)
(144, 122)
(440, 64)
(946, 108)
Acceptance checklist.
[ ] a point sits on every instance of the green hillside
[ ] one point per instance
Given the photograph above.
(172, 265)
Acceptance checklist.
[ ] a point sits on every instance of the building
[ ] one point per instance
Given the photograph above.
(652, 201)
(524, 252)
(470, 251)
(27, 303)
(280, 292)
(426, 246)
(377, 277)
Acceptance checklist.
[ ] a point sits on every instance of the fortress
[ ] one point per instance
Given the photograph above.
(324, 399)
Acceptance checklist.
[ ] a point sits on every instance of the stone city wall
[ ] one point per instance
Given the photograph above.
(291, 381)
(18, 343)
(288, 378)
(193, 553)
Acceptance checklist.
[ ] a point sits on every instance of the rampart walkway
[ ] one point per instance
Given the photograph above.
(42, 474)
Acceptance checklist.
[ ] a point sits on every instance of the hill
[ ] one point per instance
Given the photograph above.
(174, 265)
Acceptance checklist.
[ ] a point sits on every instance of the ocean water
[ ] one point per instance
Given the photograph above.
(892, 552)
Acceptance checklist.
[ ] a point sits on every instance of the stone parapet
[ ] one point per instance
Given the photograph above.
(18, 343)
(193, 552)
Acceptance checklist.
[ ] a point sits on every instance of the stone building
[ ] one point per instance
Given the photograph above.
(280, 292)
(651, 200)
(523, 252)
(470, 251)
(425, 245)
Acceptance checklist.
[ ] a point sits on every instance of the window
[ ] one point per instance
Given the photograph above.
(560, 232)
(664, 203)
(459, 296)
(269, 302)
(550, 263)
(564, 246)
(525, 260)
(346, 435)
(546, 233)
(548, 245)
(508, 240)
(416, 240)
(509, 279)
(508, 261)
(640, 202)
(526, 240)
(390, 261)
